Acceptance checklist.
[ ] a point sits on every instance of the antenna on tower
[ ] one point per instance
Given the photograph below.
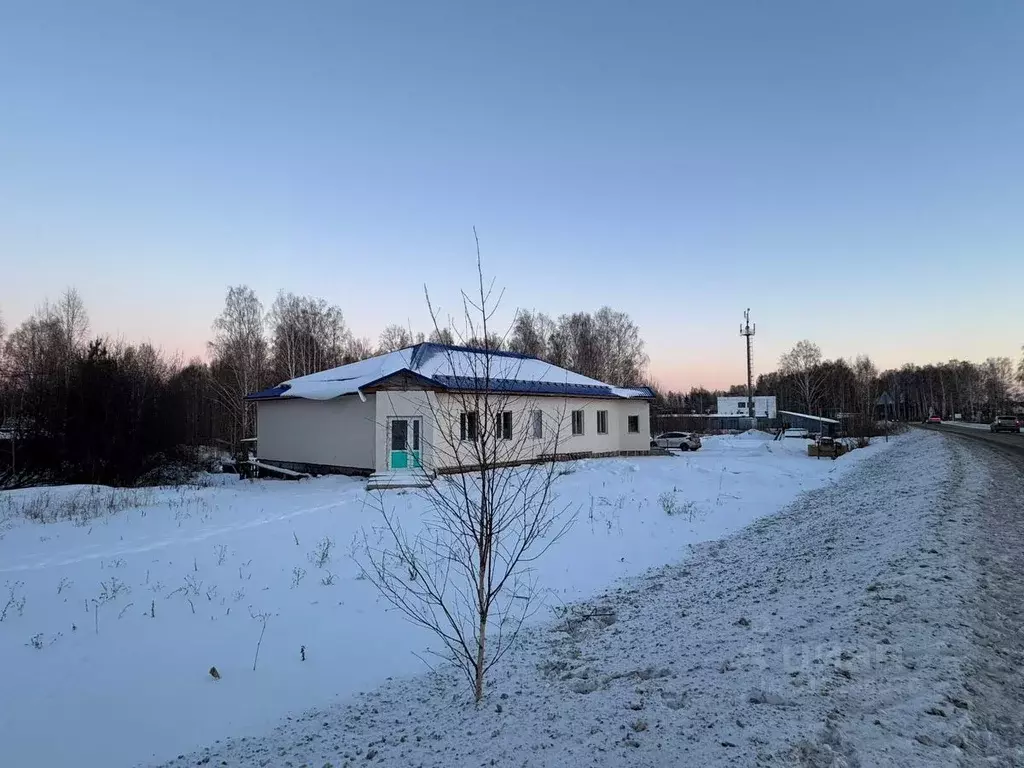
(747, 330)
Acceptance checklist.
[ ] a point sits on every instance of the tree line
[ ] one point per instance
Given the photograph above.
(806, 382)
(81, 408)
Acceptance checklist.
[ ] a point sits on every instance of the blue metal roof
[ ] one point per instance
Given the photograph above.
(428, 349)
(470, 383)
(525, 387)
(269, 394)
(648, 392)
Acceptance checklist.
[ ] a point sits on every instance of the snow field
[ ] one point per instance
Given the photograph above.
(830, 635)
(113, 623)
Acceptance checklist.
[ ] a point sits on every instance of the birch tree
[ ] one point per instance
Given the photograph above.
(392, 338)
(307, 334)
(239, 355)
(467, 576)
(803, 363)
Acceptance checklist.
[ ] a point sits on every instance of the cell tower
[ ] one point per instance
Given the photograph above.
(747, 330)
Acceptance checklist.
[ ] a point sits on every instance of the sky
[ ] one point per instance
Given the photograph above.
(851, 172)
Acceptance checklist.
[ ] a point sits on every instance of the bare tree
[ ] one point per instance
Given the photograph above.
(803, 362)
(576, 338)
(865, 380)
(999, 380)
(441, 336)
(1020, 368)
(392, 338)
(623, 350)
(239, 351)
(308, 335)
(71, 315)
(492, 341)
(528, 335)
(467, 576)
(358, 349)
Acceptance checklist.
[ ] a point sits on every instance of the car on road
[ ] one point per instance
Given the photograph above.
(933, 420)
(1005, 424)
(684, 441)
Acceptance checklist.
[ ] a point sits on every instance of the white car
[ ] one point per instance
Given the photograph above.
(684, 441)
(796, 432)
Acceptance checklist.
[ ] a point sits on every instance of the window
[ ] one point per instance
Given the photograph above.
(399, 435)
(537, 424)
(602, 422)
(503, 425)
(467, 426)
(741, 405)
(634, 424)
(577, 422)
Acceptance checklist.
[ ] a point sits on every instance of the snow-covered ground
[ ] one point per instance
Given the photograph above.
(841, 633)
(112, 625)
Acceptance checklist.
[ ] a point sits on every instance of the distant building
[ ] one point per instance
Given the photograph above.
(764, 406)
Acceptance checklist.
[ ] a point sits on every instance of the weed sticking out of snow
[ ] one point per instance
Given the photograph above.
(15, 599)
(321, 554)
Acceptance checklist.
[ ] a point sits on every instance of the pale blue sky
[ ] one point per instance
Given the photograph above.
(853, 172)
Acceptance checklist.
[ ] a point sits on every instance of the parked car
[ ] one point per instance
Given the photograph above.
(796, 432)
(933, 420)
(684, 441)
(1005, 424)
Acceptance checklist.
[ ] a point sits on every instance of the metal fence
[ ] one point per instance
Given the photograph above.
(708, 424)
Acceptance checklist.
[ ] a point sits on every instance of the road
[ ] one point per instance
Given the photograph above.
(995, 553)
(1001, 439)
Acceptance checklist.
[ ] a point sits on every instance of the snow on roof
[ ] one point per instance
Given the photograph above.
(449, 367)
(808, 416)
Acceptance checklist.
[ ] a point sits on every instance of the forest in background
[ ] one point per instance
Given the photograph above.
(79, 408)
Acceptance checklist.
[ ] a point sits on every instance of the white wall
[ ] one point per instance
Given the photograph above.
(337, 432)
(347, 432)
(443, 446)
(763, 405)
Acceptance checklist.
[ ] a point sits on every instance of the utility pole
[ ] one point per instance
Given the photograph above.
(747, 331)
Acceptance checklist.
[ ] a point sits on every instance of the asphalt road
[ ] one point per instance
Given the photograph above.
(1004, 440)
(994, 551)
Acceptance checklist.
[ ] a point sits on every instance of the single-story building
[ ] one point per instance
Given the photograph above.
(730, 405)
(432, 408)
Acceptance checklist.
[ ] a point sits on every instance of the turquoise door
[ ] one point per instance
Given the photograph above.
(405, 441)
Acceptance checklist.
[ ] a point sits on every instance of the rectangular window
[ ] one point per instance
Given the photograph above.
(537, 424)
(467, 426)
(741, 405)
(602, 422)
(399, 435)
(577, 422)
(503, 425)
(634, 424)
